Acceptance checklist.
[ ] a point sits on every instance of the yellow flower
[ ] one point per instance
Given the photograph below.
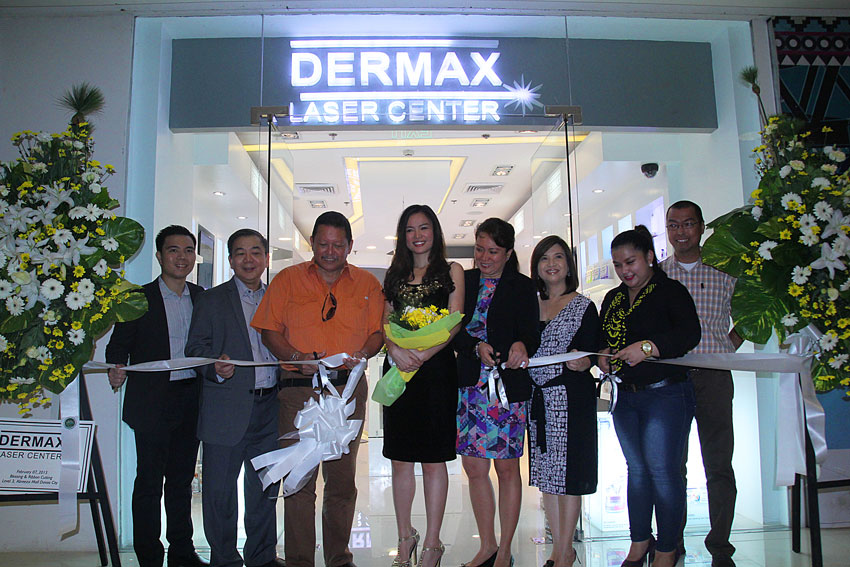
(79, 271)
(826, 129)
(806, 314)
(785, 234)
(76, 325)
(843, 322)
(57, 332)
(794, 290)
(60, 345)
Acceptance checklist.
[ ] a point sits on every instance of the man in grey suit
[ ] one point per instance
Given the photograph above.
(239, 408)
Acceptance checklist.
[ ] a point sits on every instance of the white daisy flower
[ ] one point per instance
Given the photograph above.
(790, 320)
(845, 286)
(756, 212)
(52, 289)
(101, 268)
(78, 145)
(807, 221)
(809, 239)
(784, 171)
(89, 176)
(15, 305)
(838, 361)
(797, 165)
(110, 245)
(823, 211)
(76, 336)
(32, 352)
(765, 248)
(95, 187)
(830, 168)
(4, 190)
(77, 213)
(837, 155)
(820, 182)
(20, 380)
(86, 287)
(800, 274)
(4, 344)
(6, 288)
(789, 198)
(828, 341)
(75, 300)
(93, 212)
(62, 236)
(43, 137)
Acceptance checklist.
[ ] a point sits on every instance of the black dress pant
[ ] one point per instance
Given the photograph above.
(714, 391)
(166, 453)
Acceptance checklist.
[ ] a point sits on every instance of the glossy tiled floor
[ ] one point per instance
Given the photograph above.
(374, 538)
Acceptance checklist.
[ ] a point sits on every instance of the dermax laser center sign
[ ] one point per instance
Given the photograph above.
(404, 81)
(368, 81)
(429, 81)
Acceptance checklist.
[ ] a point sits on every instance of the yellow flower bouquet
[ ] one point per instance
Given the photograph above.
(413, 328)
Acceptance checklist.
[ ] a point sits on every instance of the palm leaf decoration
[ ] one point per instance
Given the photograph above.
(82, 99)
(750, 76)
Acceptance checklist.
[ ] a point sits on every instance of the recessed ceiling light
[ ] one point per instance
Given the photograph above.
(219, 193)
(545, 232)
(480, 202)
(527, 131)
(566, 214)
(502, 170)
(391, 237)
(318, 204)
(284, 238)
(599, 190)
(526, 245)
(536, 237)
(467, 222)
(370, 247)
(241, 217)
(459, 236)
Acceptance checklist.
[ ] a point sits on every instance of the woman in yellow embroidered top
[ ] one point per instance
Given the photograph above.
(649, 314)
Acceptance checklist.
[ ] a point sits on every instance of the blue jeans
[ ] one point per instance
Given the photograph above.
(653, 428)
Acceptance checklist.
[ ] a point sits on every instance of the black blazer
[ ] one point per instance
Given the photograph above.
(513, 316)
(144, 340)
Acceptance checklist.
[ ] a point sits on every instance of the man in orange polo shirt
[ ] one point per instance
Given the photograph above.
(311, 310)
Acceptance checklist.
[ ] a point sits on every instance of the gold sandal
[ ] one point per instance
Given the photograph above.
(441, 548)
(398, 562)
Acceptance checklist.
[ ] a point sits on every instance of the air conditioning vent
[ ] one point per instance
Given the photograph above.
(316, 189)
(484, 188)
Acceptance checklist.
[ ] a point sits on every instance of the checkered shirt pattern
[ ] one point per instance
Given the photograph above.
(712, 292)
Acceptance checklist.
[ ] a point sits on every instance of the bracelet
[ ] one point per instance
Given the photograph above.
(477, 353)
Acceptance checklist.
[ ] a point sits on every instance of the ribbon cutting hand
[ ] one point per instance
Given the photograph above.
(224, 369)
(117, 376)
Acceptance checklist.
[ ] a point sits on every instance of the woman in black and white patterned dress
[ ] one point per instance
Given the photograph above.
(562, 422)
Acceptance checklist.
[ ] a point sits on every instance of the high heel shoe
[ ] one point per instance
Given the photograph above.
(441, 548)
(486, 563)
(646, 558)
(398, 561)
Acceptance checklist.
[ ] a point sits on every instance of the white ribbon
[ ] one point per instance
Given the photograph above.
(496, 387)
(796, 394)
(69, 472)
(323, 431)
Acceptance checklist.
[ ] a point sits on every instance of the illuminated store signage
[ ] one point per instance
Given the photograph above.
(408, 81)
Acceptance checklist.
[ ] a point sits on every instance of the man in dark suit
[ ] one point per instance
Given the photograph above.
(162, 407)
(239, 407)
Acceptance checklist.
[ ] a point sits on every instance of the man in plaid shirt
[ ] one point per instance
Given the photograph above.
(712, 291)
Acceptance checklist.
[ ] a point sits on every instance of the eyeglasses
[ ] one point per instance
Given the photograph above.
(329, 314)
(687, 225)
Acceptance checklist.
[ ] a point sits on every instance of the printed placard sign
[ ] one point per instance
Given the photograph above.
(31, 455)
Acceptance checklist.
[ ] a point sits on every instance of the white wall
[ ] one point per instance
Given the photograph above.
(39, 59)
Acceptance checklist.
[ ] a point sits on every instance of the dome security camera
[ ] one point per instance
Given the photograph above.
(649, 169)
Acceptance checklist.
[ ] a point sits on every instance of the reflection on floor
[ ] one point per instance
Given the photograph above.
(373, 539)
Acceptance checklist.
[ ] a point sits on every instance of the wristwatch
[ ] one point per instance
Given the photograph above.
(646, 347)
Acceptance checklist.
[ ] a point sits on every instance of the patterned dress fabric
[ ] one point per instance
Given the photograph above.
(484, 429)
(562, 423)
(420, 426)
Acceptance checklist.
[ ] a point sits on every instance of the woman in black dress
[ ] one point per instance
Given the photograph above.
(420, 425)
(562, 420)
